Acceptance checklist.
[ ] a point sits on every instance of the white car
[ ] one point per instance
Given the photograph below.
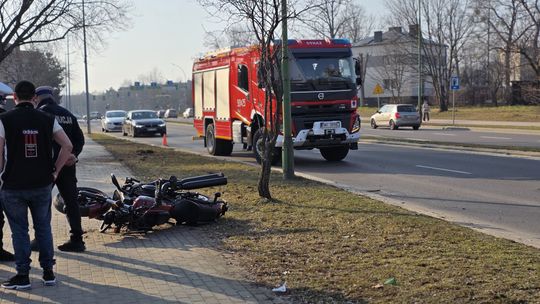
(188, 113)
(113, 121)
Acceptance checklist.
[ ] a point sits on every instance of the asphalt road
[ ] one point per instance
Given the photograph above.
(496, 194)
(431, 133)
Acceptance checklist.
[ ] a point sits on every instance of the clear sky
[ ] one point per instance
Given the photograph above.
(165, 35)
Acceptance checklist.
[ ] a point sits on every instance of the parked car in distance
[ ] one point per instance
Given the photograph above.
(171, 113)
(160, 113)
(95, 115)
(188, 113)
(143, 122)
(113, 120)
(395, 116)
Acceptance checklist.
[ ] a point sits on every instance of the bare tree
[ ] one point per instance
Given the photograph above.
(233, 36)
(446, 27)
(328, 18)
(42, 21)
(506, 20)
(529, 44)
(394, 69)
(339, 19)
(154, 75)
(264, 18)
(358, 23)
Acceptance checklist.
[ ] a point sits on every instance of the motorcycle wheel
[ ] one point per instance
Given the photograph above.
(60, 205)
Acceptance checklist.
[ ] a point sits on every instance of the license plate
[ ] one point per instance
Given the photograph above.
(331, 125)
(151, 129)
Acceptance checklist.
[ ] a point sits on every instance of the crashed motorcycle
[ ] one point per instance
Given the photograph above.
(140, 206)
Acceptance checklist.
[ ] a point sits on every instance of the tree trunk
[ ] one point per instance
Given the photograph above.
(266, 166)
(264, 181)
(444, 100)
(507, 97)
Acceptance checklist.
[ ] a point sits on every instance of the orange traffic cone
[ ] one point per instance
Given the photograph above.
(164, 140)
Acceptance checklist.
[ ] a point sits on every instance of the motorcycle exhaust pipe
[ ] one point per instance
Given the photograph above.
(202, 181)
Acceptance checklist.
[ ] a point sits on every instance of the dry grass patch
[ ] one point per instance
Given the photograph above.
(331, 246)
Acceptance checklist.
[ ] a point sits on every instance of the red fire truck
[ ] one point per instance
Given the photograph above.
(229, 103)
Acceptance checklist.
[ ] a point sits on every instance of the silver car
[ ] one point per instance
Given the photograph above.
(395, 116)
(113, 120)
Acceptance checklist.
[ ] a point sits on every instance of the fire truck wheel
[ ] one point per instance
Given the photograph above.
(217, 146)
(335, 153)
(258, 148)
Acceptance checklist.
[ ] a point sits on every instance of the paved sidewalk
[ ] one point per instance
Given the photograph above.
(173, 265)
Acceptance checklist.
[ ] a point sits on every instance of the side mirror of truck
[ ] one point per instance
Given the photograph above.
(358, 80)
(357, 67)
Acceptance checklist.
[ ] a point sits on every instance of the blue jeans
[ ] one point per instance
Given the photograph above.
(16, 204)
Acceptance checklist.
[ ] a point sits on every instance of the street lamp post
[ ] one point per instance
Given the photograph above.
(68, 80)
(182, 70)
(420, 80)
(89, 129)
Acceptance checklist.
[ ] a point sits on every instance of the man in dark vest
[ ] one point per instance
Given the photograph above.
(26, 141)
(5, 256)
(67, 180)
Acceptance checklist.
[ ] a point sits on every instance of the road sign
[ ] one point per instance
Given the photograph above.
(378, 90)
(454, 83)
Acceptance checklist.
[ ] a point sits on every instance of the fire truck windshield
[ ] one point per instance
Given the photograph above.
(326, 71)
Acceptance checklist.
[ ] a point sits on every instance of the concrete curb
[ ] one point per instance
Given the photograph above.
(456, 128)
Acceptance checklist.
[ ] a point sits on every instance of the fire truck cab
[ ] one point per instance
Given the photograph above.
(229, 104)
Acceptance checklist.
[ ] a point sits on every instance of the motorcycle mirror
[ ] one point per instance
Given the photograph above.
(216, 196)
(115, 182)
(173, 182)
(158, 191)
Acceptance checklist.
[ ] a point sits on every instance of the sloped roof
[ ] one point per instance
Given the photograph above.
(392, 36)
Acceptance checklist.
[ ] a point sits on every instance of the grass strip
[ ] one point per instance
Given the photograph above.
(453, 144)
(331, 246)
(532, 128)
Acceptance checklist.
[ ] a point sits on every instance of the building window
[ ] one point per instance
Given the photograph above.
(243, 82)
(390, 84)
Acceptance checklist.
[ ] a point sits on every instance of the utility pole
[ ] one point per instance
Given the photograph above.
(288, 153)
(488, 71)
(420, 67)
(68, 81)
(88, 128)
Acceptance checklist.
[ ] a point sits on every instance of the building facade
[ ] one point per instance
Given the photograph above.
(391, 60)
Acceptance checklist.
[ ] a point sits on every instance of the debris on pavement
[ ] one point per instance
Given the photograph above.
(282, 288)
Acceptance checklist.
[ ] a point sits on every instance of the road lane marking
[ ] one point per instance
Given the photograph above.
(444, 134)
(442, 169)
(495, 137)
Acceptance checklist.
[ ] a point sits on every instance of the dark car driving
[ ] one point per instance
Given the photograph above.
(143, 122)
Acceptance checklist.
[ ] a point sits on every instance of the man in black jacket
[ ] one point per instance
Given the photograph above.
(5, 256)
(67, 180)
(26, 138)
